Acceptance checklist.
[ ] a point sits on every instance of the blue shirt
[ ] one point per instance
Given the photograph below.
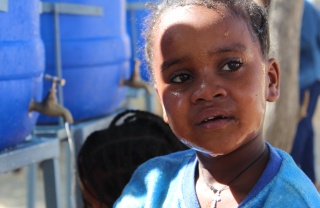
(309, 71)
(169, 181)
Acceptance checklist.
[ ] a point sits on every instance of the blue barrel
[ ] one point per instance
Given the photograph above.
(137, 12)
(21, 70)
(95, 55)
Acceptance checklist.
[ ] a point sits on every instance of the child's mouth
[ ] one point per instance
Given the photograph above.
(215, 122)
(213, 118)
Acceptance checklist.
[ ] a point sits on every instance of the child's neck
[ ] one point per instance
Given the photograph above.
(252, 157)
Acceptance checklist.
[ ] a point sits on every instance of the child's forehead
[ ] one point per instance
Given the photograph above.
(187, 13)
(177, 20)
(197, 16)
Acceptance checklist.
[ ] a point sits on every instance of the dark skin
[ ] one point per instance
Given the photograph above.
(213, 84)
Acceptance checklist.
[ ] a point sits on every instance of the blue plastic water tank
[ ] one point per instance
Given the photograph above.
(21, 70)
(137, 12)
(95, 53)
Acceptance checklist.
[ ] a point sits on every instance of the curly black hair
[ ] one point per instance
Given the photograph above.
(108, 157)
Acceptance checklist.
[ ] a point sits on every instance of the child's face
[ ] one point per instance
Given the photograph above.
(210, 78)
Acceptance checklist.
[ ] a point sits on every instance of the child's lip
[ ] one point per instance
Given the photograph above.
(212, 115)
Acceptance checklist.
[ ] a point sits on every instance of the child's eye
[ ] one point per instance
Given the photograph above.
(180, 78)
(233, 65)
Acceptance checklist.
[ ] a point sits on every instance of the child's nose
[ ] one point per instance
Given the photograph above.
(207, 89)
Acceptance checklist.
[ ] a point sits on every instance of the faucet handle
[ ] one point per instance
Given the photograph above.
(55, 79)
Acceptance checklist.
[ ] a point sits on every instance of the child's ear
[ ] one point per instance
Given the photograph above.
(164, 113)
(273, 80)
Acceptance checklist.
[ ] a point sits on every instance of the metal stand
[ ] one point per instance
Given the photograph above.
(31, 152)
(80, 132)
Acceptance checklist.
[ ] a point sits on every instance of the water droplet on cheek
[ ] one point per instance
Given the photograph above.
(176, 94)
(177, 98)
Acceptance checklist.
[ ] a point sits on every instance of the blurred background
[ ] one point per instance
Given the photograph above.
(67, 67)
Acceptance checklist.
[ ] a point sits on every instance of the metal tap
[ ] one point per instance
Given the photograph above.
(50, 106)
(135, 80)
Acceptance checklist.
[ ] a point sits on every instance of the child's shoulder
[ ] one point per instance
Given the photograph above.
(290, 172)
(292, 186)
(283, 184)
(155, 177)
(166, 165)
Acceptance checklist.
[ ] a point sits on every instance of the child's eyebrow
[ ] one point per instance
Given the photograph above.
(168, 63)
(238, 47)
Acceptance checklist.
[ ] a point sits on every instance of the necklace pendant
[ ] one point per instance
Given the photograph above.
(216, 199)
(214, 204)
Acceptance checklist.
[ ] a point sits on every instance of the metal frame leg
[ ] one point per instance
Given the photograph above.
(31, 185)
(52, 183)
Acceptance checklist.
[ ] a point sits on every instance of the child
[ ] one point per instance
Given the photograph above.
(108, 158)
(209, 59)
(309, 83)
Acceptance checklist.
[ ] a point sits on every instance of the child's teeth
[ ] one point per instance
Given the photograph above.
(208, 119)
